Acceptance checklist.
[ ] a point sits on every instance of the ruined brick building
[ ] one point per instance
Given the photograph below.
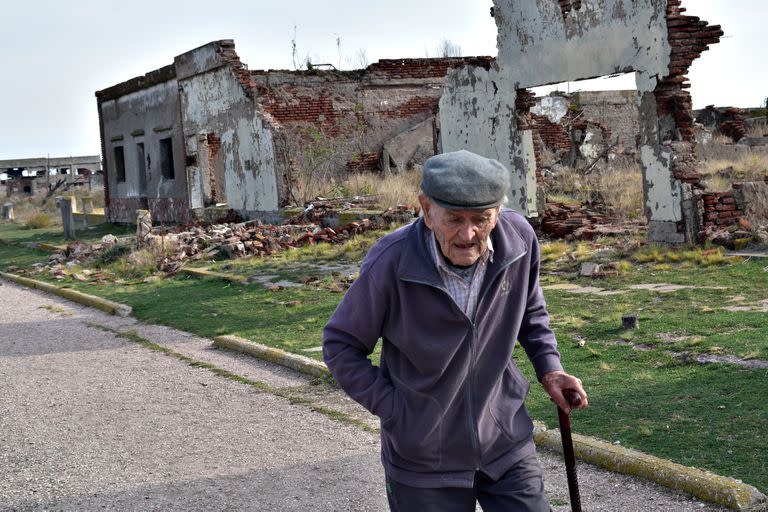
(205, 130)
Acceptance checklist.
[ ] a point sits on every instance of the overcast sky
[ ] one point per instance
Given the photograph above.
(56, 54)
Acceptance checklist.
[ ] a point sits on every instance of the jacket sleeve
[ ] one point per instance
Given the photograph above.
(349, 338)
(536, 336)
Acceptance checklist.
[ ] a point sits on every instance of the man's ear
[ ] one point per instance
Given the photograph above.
(426, 204)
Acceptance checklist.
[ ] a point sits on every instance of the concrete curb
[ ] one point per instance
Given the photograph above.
(202, 272)
(274, 355)
(113, 308)
(704, 485)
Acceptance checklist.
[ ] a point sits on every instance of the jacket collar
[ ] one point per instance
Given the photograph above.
(416, 261)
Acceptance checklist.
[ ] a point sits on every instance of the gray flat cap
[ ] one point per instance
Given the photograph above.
(462, 180)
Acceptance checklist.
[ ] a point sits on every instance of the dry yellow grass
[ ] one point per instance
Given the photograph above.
(621, 188)
(391, 189)
(720, 173)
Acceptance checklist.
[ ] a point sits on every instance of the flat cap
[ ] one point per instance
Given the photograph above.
(462, 180)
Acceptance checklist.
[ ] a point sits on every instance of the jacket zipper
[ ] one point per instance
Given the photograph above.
(470, 401)
(471, 420)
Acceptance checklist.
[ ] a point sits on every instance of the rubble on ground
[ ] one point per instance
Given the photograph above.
(584, 222)
(222, 240)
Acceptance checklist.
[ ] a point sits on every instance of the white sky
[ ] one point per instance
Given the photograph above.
(56, 54)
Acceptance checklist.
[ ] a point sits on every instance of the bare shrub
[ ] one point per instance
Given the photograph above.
(38, 221)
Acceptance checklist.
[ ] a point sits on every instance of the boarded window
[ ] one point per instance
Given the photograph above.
(166, 159)
(120, 164)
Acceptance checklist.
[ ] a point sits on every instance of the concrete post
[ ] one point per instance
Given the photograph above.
(143, 226)
(8, 212)
(67, 219)
(87, 202)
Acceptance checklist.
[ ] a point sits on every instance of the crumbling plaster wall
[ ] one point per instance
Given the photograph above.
(550, 41)
(213, 101)
(145, 115)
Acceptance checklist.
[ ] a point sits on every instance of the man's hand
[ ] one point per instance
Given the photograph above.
(556, 382)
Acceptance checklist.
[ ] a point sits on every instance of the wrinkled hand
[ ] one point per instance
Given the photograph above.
(556, 382)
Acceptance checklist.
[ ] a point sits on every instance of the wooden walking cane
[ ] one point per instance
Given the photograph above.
(570, 461)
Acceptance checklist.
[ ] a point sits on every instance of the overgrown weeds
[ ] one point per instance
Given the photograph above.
(38, 221)
(720, 173)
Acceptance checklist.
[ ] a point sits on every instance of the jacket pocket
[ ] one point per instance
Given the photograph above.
(412, 436)
(507, 405)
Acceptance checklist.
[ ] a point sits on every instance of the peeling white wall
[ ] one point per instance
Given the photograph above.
(475, 114)
(143, 116)
(214, 101)
(537, 46)
(663, 195)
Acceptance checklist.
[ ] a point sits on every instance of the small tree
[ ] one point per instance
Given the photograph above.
(447, 48)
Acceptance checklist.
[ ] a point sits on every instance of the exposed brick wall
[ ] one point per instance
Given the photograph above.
(720, 209)
(524, 101)
(422, 68)
(356, 111)
(413, 106)
(564, 221)
(364, 162)
(688, 37)
(227, 51)
(554, 135)
(734, 124)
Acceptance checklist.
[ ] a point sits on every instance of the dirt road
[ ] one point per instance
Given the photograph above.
(91, 419)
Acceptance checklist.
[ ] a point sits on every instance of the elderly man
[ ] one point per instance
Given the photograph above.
(448, 296)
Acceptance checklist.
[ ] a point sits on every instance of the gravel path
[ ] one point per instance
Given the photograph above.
(90, 420)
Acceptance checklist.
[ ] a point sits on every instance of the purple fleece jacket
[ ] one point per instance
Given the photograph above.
(448, 393)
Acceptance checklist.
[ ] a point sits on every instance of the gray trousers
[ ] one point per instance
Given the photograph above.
(520, 489)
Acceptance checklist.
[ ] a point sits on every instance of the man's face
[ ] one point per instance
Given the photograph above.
(461, 234)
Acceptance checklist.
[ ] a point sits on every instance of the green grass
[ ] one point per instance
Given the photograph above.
(644, 393)
(54, 235)
(12, 256)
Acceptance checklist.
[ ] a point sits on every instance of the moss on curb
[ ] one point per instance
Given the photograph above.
(274, 355)
(704, 485)
(111, 307)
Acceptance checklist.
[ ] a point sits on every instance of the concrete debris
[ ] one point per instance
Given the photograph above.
(589, 269)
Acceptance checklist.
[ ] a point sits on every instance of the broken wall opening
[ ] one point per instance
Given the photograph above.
(551, 41)
(585, 136)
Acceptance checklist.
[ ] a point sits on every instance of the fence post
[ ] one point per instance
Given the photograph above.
(67, 219)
